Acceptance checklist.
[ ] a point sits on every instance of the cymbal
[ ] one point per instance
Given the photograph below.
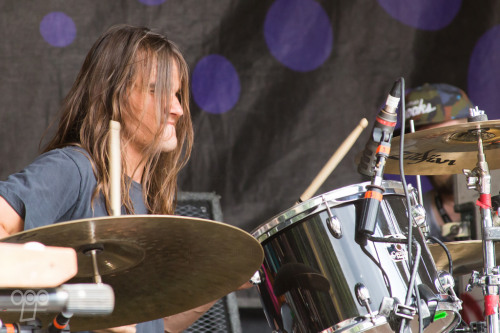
(466, 256)
(446, 150)
(157, 265)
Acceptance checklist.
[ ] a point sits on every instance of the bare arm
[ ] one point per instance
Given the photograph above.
(181, 321)
(10, 221)
(121, 329)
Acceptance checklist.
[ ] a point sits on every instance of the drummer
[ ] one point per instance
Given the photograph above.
(140, 79)
(431, 106)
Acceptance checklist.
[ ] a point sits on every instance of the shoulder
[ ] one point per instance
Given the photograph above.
(65, 160)
(50, 186)
(69, 154)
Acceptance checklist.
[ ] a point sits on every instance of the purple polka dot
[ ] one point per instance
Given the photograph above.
(422, 14)
(215, 84)
(152, 2)
(484, 73)
(58, 29)
(298, 34)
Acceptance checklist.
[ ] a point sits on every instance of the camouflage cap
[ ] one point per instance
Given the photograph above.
(436, 103)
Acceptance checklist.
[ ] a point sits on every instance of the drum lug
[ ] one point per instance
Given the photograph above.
(333, 222)
(363, 296)
(446, 283)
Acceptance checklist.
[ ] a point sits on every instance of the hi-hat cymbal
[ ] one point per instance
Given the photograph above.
(446, 150)
(465, 255)
(157, 265)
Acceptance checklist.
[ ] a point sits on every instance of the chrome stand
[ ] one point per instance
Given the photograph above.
(480, 180)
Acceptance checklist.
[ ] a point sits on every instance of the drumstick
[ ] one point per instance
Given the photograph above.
(334, 161)
(115, 167)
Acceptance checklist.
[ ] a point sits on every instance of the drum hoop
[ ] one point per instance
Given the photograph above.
(355, 325)
(309, 207)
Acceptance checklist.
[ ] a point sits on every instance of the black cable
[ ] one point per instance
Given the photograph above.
(420, 318)
(413, 265)
(379, 265)
(412, 287)
(408, 202)
(413, 276)
(414, 272)
(450, 261)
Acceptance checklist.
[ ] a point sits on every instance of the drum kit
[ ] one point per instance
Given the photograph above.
(318, 276)
(313, 271)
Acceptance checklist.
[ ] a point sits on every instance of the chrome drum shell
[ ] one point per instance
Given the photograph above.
(310, 270)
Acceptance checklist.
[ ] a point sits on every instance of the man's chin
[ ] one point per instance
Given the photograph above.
(169, 146)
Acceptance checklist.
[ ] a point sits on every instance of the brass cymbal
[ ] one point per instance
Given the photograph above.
(157, 265)
(446, 150)
(466, 256)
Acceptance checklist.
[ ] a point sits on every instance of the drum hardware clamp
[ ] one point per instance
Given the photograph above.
(389, 306)
(418, 213)
(491, 278)
(492, 234)
(333, 223)
(404, 311)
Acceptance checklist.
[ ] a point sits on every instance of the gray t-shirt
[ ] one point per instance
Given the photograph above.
(58, 187)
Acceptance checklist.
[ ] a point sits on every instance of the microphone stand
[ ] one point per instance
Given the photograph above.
(374, 192)
(373, 161)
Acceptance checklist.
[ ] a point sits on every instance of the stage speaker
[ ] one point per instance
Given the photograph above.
(223, 316)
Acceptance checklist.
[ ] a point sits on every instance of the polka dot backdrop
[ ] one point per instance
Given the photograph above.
(58, 29)
(422, 14)
(277, 85)
(298, 34)
(215, 84)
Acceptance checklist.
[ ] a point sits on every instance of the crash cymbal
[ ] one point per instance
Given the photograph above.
(466, 256)
(157, 265)
(446, 150)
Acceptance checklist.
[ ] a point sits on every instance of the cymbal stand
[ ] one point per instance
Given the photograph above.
(115, 190)
(480, 180)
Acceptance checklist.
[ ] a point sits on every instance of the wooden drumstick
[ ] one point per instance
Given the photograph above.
(334, 161)
(115, 168)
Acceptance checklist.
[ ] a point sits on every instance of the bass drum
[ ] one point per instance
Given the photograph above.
(317, 278)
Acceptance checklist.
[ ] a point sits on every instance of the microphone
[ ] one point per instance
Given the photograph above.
(83, 299)
(373, 162)
(382, 131)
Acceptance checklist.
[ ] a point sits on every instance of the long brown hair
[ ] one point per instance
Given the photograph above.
(99, 95)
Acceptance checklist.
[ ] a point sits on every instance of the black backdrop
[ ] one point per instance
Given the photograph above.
(277, 84)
